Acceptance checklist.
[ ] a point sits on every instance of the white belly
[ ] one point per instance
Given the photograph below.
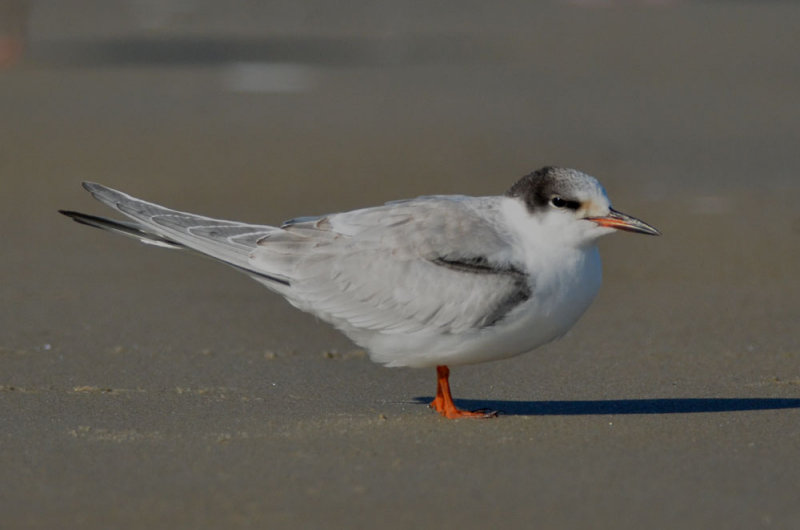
(557, 302)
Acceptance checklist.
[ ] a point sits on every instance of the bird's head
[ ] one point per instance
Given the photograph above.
(574, 204)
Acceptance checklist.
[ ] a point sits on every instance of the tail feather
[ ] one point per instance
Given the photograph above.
(120, 227)
(228, 241)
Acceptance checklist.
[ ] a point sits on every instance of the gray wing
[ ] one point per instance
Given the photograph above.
(228, 241)
(435, 263)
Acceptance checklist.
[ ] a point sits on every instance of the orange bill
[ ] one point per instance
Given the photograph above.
(621, 221)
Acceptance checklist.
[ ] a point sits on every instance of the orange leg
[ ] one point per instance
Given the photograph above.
(443, 402)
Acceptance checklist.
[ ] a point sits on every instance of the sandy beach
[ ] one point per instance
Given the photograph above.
(147, 388)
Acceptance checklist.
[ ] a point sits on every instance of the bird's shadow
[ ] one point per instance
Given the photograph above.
(623, 406)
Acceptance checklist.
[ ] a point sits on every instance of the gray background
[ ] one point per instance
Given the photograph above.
(146, 388)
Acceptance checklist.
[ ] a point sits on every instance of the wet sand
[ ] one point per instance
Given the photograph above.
(142, 387)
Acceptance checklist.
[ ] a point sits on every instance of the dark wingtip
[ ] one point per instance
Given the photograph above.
(82, 218)
(70, 213)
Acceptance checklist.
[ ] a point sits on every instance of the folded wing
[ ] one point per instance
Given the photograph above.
(435, 264)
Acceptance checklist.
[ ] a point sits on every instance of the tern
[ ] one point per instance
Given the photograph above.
(436, 281)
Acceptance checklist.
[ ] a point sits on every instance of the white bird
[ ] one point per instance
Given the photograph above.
(435, 281)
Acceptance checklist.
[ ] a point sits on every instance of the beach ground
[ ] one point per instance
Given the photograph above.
(142, 387)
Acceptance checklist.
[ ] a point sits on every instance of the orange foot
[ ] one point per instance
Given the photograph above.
(443, 402)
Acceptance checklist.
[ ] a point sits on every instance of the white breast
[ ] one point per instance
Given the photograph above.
(564, 280)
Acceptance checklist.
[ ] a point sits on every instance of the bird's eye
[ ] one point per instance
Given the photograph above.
(558, 202)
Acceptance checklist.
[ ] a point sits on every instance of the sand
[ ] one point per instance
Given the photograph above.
(147, 388)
